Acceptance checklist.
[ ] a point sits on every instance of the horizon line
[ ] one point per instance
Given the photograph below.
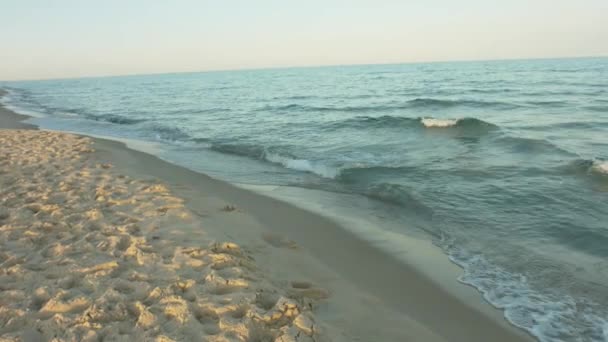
(302, 67)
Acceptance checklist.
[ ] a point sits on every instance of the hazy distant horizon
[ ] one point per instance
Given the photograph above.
(72, 39)
(307, 66)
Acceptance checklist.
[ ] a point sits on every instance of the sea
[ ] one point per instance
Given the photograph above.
(502, 164)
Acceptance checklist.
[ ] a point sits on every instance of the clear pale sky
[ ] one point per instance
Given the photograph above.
(72, 38)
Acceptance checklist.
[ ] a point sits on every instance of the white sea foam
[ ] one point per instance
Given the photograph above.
(600, 166)
(303, 165)
(548, 316)
(438, 123)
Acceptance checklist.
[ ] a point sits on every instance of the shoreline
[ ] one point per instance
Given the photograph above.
(328, 253)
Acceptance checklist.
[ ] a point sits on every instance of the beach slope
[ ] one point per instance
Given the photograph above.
(98, 241)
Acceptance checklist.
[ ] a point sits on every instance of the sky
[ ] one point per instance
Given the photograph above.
(42, 39)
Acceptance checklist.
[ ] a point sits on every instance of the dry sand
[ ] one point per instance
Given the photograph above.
(140, 249)
(91, 254)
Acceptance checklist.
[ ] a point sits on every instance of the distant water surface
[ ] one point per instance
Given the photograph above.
(503, 164)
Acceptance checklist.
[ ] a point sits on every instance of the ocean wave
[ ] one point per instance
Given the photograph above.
(597, 108)
(204, 141)
(280, 155)
(356, 179)
(568, 125)
(585, 167)
(548, 316)
(578, 165)
(294, 97)
(531, 145)
(399, 195)
(401, 121)
(244, 150)
(467, 124)
(81, 113)
(115, 119)
(366, 173)
(349, 109)
(189, 111)
(373, 121)
(600, 166)
(63, 112)
(444, 103)
(548, 103)
(440, 123)
(417, 103)
(169, 133)
(282, 158)
(303, 165)
(18, 101)
(492, 90)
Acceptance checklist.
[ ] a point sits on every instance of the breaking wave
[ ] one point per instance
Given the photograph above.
(303, 165)
(401, 121)
(441, 123)
(600, 166)
(272, 156)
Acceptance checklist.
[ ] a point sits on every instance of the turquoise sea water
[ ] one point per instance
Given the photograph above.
(503, 164)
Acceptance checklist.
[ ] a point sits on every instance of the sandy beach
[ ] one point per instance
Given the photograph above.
(88, 253)
(100, 242)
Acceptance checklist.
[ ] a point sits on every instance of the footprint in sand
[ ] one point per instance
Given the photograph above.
(305, 289)
(279, 241)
